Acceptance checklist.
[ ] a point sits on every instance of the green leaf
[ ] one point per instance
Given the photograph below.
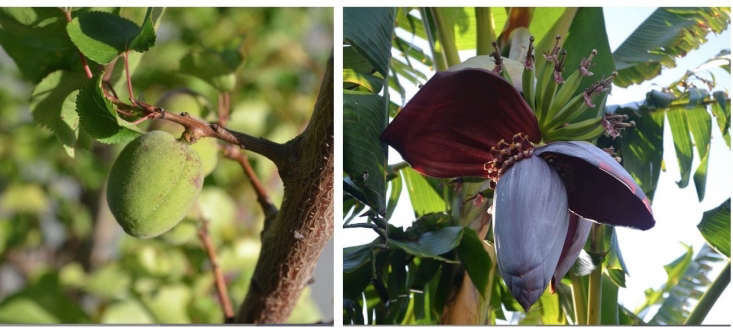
(472, 254)
(675, 271)
(424, 198)
(353, 79)
(721, 111)
(146, 36)
(641, 149)
(217, 68)
(667, 34)
(586, 33)
(102, 36)
(432, 244)
(35, 38)
(682, 143)
(707, 300)
(53, 103)
(715, 228)
(690, 283)
(97, 115)
(369, 30)
(614, 262)
(365, 157)
(356, 256)
(701, 126)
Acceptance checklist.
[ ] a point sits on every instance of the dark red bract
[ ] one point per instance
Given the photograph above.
(450, 125)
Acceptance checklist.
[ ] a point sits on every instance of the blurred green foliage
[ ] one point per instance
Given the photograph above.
(63, 258)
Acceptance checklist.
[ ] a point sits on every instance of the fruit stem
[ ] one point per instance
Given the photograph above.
(219, 281)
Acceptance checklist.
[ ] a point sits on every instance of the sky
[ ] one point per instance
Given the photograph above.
(676, 210)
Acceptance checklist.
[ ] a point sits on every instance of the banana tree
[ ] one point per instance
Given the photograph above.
(517, 170)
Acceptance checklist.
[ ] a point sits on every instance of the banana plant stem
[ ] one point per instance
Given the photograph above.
(579, 301)
(594, 281)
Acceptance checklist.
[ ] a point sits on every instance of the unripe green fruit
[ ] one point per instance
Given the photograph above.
(153, 184)
(208, 151)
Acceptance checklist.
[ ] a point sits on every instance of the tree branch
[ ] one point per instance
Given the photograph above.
(219, 281)
(292, 243)
(196, 128)
(268, 209)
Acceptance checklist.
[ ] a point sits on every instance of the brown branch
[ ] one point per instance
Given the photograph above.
(87, 71)
(268, 209)
(293, 241)
(219, 281)
(196, 128)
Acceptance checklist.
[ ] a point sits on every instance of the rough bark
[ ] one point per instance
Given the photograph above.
(293, 240)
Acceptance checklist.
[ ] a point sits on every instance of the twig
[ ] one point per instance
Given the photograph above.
(129, 82)
(87, 71)
(196, 128)
(232, 152)
(220, 282)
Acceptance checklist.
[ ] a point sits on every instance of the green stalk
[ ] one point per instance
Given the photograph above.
(485, 34)
(594, 282)
(445, 35)
(579, 301)
(438, 57)
(708, 299)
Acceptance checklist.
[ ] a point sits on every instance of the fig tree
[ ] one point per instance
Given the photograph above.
(153, 183)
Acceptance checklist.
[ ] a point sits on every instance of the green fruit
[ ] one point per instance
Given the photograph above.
(208, 151)
(153, 184)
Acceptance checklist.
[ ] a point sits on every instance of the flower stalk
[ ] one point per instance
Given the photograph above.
(594, 280)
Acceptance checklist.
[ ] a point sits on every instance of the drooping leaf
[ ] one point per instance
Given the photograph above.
(365, 157)
(369, 30)
(682, 143)
(721, 111)
(668, 33)
(715, 228)
(700, 124)
(432, 244)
